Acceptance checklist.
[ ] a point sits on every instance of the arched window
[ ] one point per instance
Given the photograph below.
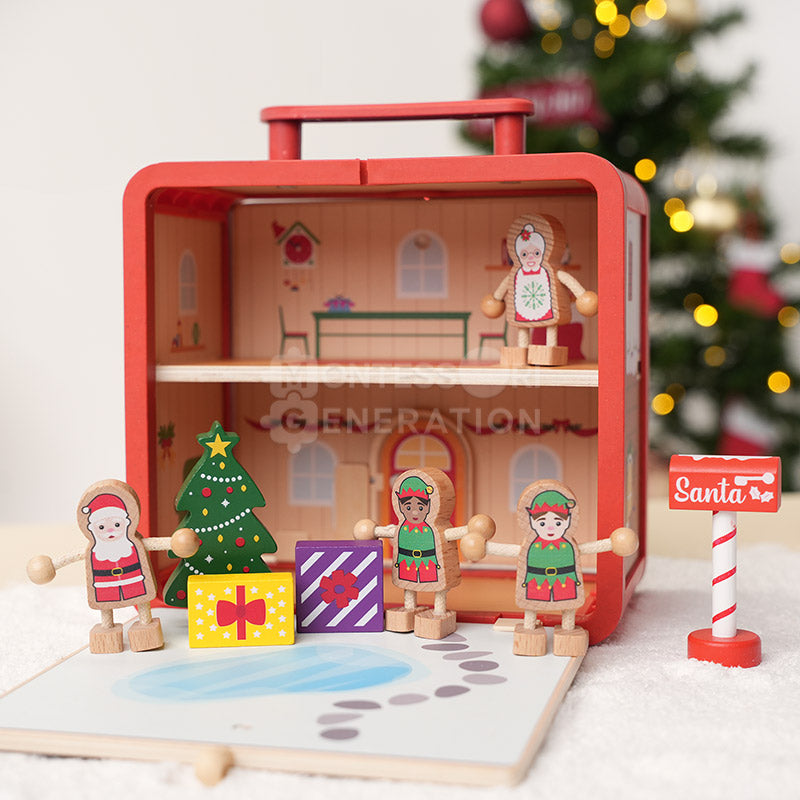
(421, 266)
(418, 451)
(531, 463)
(187, 284)
(312, 474)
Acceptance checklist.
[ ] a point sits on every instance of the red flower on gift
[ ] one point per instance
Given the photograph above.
(339, 587)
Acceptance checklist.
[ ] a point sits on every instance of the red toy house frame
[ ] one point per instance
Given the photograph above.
(612, 204)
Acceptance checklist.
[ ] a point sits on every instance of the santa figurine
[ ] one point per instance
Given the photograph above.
(534, 294)
(118, 569)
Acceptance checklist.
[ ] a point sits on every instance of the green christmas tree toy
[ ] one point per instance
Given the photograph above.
(218, 497)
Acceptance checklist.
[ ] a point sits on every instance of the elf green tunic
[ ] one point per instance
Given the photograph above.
(416, 553)
(551, 568)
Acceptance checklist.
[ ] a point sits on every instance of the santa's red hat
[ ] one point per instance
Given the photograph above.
(106, 505)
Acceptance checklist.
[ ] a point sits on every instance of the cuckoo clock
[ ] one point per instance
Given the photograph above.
(298, 246)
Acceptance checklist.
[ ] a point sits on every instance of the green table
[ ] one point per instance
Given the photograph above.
(343, 316)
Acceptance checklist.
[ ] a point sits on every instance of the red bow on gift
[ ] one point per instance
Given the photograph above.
(240, 612)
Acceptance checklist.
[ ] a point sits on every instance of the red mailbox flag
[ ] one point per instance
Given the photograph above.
(725, 483)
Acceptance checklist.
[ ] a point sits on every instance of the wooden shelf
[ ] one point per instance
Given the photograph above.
(334, 374)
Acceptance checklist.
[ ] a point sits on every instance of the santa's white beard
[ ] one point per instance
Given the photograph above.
(113, 551)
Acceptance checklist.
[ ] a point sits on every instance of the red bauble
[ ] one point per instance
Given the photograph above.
(505, 20)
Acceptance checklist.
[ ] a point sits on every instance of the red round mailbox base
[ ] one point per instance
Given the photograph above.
(742, 650)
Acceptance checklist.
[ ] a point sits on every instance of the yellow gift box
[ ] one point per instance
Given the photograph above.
(241, 610)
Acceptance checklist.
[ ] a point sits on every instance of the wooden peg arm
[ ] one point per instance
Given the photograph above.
(622, 542)
(502, 549)
(184, 543)
(369, 529)
(42, 569)
(480, 524)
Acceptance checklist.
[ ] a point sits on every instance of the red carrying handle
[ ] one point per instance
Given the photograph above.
(508, 114)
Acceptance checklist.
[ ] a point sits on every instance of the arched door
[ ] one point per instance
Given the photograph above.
(428, 442)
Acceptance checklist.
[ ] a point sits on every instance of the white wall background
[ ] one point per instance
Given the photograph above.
(91, 91)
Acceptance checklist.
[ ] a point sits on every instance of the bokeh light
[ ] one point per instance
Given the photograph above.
(620, 26)
(714, 356)
(788, 316)
(790, 253)
(606, 12)
(655, 9)
(673, 205)
(692, 300)
(551, 43)
(639, 16)
(681, 221)
(705, 315)
(706, 185)
(662, 404)
(645, 169)
(686, 63)
(779, 382)
(550, 19)
(582, 28)
(604, 44)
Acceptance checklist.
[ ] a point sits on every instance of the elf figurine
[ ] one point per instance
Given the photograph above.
(549, 576)
(118, 570)
(425, 550)
(534, 294)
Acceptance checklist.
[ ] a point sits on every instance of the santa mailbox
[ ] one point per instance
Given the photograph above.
(724, 485)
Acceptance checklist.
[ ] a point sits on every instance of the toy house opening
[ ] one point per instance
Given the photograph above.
(337, 329)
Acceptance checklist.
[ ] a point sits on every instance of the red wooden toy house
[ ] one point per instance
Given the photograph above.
(329, 312)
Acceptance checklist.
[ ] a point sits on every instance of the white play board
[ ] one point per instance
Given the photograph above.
(461, 710)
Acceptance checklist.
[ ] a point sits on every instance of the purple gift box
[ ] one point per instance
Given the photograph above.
(339, 586)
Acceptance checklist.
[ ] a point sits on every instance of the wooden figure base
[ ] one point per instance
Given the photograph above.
(529, 641)
(106, 640)
(513, 356)
(540, 355)
(146, 637)
(401, 620)
(742, 650)
(570, 643)
(428, 625)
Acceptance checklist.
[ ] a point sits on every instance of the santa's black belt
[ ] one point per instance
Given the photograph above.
(117, 570)
(550, 570)
(416, 553)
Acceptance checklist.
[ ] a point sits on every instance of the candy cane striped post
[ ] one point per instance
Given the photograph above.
(724, 485)
(723, 567)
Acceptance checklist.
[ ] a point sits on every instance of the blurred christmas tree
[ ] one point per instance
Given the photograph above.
(622, 80)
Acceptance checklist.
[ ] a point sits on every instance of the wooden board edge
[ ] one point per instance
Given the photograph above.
(335, 764)
(546, 718)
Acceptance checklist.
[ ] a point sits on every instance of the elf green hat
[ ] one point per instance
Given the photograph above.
(551, 500)
(412, 486)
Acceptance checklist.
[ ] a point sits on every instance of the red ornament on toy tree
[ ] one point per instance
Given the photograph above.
(505, 20)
